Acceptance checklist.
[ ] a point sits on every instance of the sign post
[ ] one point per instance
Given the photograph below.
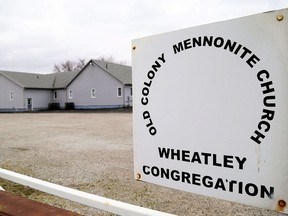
(211, 110)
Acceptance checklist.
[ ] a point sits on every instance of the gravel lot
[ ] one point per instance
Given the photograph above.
(92, 152)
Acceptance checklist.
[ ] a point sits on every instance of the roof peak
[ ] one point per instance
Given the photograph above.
(63, 79)
(108, 62)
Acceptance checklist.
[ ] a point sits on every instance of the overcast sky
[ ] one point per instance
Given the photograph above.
(36, 34)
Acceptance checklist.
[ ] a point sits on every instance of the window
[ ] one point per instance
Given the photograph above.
(131, 92)
(93, 93)
(119, 92)
(70, 94)
(11, 95)
(55, 95)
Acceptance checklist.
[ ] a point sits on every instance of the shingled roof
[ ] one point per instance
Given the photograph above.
(40, 81)
(121, 72)
(62, 80)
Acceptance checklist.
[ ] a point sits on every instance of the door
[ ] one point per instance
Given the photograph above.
(29, 104)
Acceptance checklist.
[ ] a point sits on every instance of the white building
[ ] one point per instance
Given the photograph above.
(98, 85)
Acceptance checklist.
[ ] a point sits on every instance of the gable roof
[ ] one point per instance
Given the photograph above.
(120, 72)
(28, 80)
(62, 80)
(40, 81)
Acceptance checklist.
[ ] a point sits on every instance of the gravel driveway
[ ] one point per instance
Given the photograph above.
(92, 152)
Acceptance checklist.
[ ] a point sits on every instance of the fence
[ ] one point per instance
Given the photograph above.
(105, 204)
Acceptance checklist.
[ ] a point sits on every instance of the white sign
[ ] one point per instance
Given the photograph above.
(211, 110)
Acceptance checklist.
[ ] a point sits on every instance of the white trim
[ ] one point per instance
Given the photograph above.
(93, 95)
(118, 92)
(31, 103)
(11, 95)
(95, 201)
(55, 95)
(70, 94)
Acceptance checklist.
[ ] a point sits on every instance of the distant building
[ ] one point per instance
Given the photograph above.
(98, 85)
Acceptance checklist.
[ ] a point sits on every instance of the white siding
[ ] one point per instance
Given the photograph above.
(128, 94)
(62, 96)
(40, 98)
(6, 88)
(94, 77)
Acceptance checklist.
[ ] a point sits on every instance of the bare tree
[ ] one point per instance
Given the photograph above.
(123, 62)
(69, 66)
(111, 59)
(81, 63)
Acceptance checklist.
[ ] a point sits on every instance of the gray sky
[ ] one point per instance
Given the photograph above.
(36, 34)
